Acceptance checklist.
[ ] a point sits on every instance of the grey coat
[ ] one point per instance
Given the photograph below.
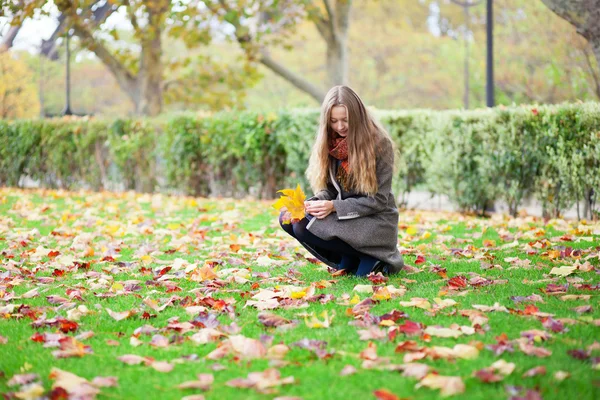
(367, 223)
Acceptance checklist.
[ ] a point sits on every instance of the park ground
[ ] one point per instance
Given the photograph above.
(125, 296)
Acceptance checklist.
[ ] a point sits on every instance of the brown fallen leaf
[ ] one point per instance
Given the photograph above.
(448, 385)
(204, 382)
(348, 370)
(370, 353)
(162, 366)
(71, 347)
(105, 381)
(75, 386)
(532, 350)
(133, 359)
(272, 320)
(540, 370)
(119, 316)
(22, 379)
(262, 382)
(415, 370)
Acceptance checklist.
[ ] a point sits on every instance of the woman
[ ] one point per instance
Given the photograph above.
(352, 221)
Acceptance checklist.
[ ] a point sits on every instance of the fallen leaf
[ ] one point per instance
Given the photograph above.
(448, 385)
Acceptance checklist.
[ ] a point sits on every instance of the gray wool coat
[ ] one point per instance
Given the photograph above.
(367, 223)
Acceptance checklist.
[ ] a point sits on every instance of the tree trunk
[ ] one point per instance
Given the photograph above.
(337, 62)
(9, 38)
(150, 76)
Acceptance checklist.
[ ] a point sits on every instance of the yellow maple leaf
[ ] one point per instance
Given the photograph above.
(293, 201)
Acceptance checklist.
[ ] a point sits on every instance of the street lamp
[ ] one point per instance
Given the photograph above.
(67, 109)
(466, 6)
(489, 87)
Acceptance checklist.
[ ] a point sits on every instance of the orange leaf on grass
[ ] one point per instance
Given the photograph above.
(383, 394)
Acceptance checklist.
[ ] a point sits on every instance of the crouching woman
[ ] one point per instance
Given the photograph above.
(352, 221)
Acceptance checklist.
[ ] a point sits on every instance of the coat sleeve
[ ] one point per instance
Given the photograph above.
(326, 194)
(356, 207)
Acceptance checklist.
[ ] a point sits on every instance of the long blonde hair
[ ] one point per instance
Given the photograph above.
(365, 137)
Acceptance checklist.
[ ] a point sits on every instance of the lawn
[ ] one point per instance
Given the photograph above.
(128, 296)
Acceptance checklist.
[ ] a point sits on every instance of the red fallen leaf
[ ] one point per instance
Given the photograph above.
(579, 354)
(407, 346)
(81, 265)
(58, 272)
(108, 258)
(420, 260)
(534, 111)
(552, 288)
(394, 315)
(255, 286)
(487, 375)
(410, 328)
(38, 337)
(147, 315)
(530, 309)
(53, 254)
(457, 282)
(384, 394)
(67, 326)
(378, 278)
(553, 325)
(164, 271)
(58, 393)
(145, 271)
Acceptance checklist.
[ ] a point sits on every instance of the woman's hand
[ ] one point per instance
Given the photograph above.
(319, 208)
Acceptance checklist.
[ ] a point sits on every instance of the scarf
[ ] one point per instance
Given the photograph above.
(338, 149)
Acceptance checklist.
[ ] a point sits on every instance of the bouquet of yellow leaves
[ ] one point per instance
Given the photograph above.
(292, 202)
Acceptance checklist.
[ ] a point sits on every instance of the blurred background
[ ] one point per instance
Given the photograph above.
(155, 56)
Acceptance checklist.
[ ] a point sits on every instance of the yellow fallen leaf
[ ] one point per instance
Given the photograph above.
(298, 295)
(411, 230)
(293, 201)
(314, 322)
(564, 270)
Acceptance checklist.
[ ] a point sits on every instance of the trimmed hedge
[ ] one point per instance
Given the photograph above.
(474, 157)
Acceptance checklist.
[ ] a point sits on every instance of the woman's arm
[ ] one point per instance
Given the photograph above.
(356, 207)
(325, 194)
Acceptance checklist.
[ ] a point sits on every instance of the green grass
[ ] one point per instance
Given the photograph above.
(140, 224)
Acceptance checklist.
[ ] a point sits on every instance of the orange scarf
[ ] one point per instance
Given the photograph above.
(338, 149)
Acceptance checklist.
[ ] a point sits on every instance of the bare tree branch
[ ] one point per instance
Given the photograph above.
(291, 77)
(123, 76)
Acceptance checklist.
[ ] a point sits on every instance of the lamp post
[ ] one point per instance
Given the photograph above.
(466, 6)
(67, 109)
(489, 87)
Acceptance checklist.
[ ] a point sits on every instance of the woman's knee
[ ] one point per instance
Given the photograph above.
(300, 231)
(286, 226)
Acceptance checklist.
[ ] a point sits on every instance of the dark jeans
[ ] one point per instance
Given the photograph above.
(352, 259)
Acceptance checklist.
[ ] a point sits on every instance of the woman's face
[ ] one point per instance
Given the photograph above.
(339, 120)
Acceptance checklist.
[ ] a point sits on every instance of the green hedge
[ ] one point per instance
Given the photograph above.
(475, 157)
